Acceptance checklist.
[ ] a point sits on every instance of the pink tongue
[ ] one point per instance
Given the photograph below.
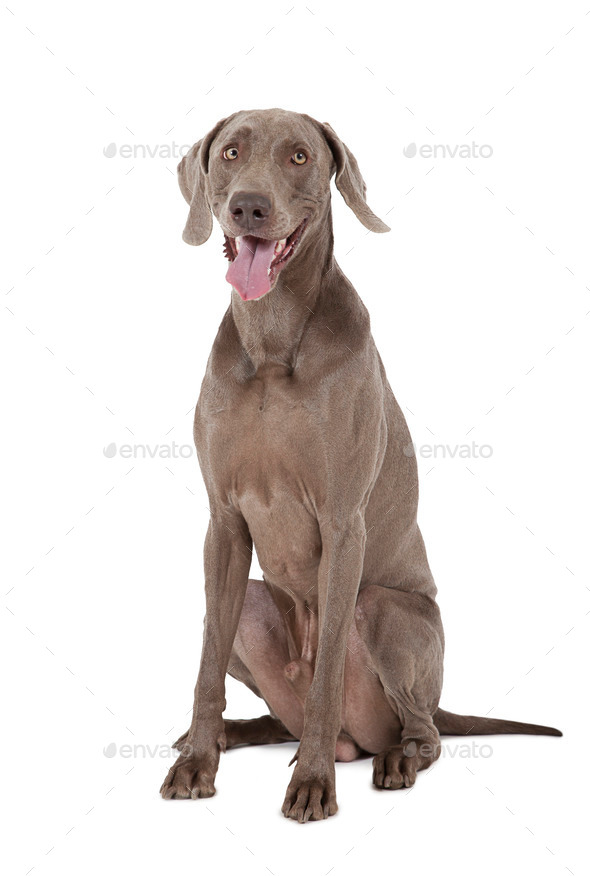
(248, 273)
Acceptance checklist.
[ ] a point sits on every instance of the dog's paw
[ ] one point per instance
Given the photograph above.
(396, 767)
(191, 776)
(310, 797)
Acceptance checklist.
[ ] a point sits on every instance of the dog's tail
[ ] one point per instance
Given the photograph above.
(449, 724)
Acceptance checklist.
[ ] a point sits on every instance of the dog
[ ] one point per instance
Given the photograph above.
(301, 446)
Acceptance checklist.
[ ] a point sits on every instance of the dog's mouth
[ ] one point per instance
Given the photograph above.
(256, 262)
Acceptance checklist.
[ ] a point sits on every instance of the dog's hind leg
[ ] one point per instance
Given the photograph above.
(403, 633)
(259, 658)
(266, 730)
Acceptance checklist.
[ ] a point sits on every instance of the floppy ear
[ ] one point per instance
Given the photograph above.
(349, 181)
(192, 173)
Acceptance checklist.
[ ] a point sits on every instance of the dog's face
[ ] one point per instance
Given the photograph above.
(265, 175)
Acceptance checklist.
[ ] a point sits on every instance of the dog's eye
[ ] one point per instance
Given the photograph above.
(299, 158)
(230, 154)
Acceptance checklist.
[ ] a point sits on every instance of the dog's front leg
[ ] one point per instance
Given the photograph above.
(228, 557)
(311, 794)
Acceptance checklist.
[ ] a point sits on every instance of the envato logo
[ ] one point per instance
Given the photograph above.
(449, 451)
(149, 451)
(443, 150)
(144, 751)
(460, 749)
(145, 150)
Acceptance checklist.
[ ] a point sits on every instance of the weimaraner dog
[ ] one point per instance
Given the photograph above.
(301, 445)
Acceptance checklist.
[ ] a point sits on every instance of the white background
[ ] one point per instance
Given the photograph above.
(479, 301)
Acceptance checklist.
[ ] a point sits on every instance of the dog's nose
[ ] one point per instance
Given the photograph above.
(249, 210)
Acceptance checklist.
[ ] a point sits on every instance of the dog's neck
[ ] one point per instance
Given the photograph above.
(271, 327)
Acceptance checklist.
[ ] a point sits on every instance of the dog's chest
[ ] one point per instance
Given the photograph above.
(259, 430)
(263, 446)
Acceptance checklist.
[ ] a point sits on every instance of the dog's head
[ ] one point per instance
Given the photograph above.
(265, 176)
